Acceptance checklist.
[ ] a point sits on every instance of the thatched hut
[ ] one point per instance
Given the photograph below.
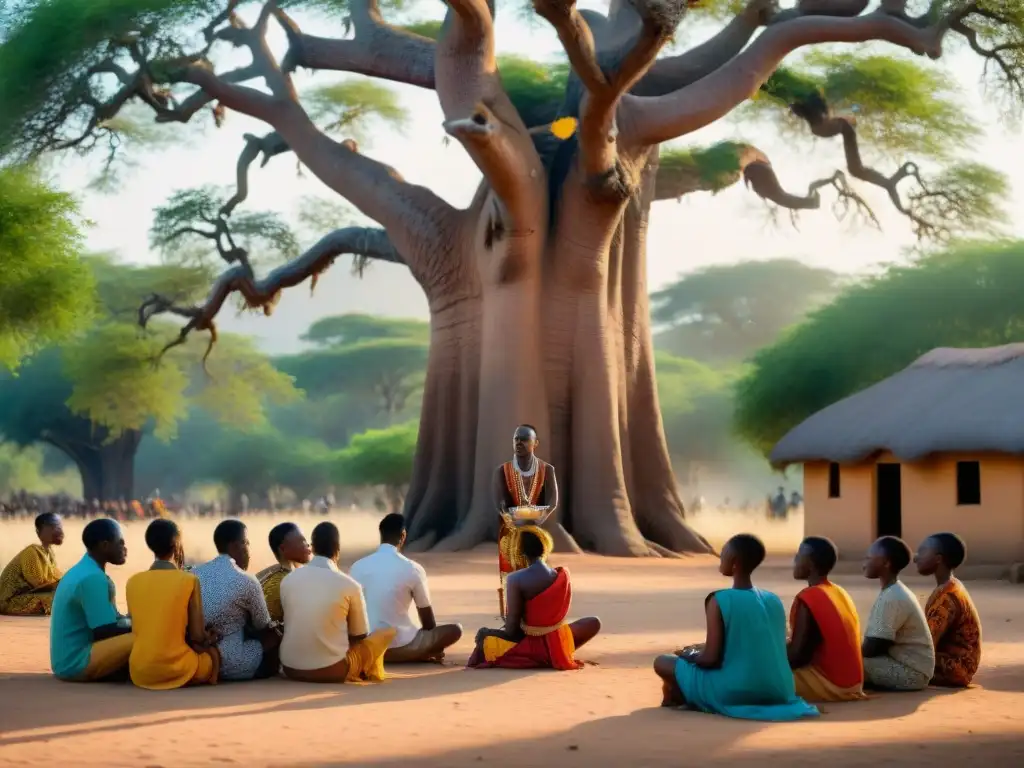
(937, 447)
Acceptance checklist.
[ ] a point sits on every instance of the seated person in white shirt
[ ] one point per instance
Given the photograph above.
(391, 583)
(327, 638)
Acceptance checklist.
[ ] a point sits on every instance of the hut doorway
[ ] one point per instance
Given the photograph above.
(888, 500)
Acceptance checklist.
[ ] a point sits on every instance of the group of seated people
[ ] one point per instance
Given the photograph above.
(307, 619)
(303, 617)
(749, 667)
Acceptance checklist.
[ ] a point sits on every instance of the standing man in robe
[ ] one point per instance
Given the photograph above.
(524, 481)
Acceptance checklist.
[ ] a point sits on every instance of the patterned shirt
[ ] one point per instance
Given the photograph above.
(34, 567)
(956, 631)
(897, 617)
(233, 601)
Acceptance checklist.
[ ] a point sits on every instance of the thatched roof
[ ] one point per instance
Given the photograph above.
(948, 400)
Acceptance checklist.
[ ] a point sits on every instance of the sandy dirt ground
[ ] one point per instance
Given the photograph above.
(606, 714)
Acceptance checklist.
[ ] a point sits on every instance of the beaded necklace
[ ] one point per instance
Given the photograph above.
(531, 472)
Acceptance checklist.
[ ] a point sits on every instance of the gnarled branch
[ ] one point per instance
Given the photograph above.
(674, 72)
(365, 243)
(377, 49)
(753, 166)
(658, 119)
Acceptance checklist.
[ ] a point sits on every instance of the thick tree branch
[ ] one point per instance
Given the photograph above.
(674, 72)
(674, 180)
(658, 119)
(377, 49)
(598, 130)
(479, 114)
(364, 243)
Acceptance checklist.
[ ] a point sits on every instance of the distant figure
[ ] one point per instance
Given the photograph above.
(898, 651)
(952, 618)
(824, 650)
(89, 640)
(243, 502)
(779, 505)
(327, 638)
(28, 582)
(742, 669)
(235, 608)
(172, 647)
(391, 584)
(795, 500)
(291, 550)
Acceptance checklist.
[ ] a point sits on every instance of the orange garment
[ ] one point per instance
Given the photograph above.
(838, 655)
(533, 491)
(956, 632)
(548, 642)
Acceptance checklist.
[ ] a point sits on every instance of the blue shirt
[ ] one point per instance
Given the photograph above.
(83, 601)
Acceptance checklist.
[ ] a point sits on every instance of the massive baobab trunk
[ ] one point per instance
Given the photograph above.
(107, 468)
(538, 290)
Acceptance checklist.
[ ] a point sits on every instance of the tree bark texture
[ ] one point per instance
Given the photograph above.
(538, 290)
(107, 468)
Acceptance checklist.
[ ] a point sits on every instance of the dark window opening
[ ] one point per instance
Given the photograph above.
(968, 483)
(888, 500)
(833, 480)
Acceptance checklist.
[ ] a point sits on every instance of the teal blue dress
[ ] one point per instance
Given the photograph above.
(754, 681)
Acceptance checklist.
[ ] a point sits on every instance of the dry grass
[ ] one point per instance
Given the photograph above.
(359, 534)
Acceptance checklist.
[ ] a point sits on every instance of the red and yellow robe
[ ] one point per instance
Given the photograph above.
(548, 643)
(506, 557)
(836, 671)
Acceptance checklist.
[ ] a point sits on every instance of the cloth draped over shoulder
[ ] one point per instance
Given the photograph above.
(548, 642)
(508, 559)
(34, 567)
(836, 671)
(754, 681)
(270, 581)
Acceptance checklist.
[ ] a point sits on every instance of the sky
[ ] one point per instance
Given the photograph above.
(700, 230)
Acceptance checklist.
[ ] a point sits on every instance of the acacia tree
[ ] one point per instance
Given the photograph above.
(537, 291)
(966, 296)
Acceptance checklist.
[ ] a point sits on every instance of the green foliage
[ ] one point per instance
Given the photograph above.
(389, 370)
(46, 291)
(901, 106)
(189, 219)
(717, 166)
(379, 457)
(726, 312)
(428, 28)
(24, 469)
(254, 462)
(536, 90)
(965, 199)
(349, 106)
(352, 328)
(696, 408)
(967, 296)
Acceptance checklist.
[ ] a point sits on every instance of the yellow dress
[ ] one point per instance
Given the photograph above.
(159, 602)
(34, 567)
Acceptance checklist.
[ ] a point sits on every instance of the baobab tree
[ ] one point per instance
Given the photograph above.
(537, 290)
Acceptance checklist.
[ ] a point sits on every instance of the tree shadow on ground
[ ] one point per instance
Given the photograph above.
(98, 707)
(659, 737)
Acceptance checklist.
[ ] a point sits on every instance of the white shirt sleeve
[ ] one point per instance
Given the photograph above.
(420, 592)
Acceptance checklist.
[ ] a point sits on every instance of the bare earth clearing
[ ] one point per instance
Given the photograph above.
(430, 716)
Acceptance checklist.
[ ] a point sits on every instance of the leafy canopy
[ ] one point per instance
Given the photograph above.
(378, 457)
(47, 292)
(726, 312)
(967, 296)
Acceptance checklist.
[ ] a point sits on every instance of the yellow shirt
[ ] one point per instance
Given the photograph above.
(33, 567)
(158, 602)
